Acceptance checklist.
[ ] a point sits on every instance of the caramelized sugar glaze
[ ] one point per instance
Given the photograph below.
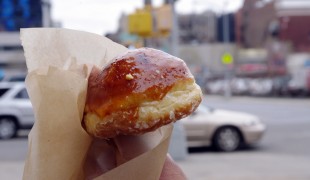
(142, 75)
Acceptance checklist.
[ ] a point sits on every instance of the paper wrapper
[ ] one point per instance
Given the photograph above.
(59, 62)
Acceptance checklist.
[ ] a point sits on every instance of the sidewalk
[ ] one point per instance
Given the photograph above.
(219, 166)
(246, 165)
(11, 170)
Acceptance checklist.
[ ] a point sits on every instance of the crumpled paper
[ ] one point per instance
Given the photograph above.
(59, 62)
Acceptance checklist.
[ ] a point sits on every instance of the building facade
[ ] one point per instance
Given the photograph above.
(294, 27)
(253, 21)
(198, 28)
(16, 14)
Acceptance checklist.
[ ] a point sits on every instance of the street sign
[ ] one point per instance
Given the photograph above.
(227, 59)
(140, 23)
(163, 16)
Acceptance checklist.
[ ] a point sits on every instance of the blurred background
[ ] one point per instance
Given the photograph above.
(250, 57)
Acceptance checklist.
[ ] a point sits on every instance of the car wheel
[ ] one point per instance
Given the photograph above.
(227, 139)
(8, 128)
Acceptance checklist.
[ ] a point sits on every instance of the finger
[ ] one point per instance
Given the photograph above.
(130, 147)
(100, 158)
(171, 171)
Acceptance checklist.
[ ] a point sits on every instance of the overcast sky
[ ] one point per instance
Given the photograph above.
(101, 16)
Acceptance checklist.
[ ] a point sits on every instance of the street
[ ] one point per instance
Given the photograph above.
(283, 152)
(287, 120)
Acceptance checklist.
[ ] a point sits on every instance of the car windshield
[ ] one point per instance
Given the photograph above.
(3, 91)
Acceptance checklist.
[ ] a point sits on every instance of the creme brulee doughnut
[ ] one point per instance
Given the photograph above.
(139, 92)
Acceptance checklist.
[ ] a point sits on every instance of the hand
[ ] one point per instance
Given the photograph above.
(105, 155)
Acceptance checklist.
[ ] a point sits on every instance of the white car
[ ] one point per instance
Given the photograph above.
(15, 109)
(223, 129)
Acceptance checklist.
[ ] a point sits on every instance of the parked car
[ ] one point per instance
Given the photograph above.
(223, 129)
(280, 85)
(240, 86)
(215, 87)
(15, 78)
(15, 109)
(260, 87)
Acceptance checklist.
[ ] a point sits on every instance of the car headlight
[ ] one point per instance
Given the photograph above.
(251, 122)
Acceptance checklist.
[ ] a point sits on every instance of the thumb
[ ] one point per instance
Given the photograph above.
(171, 171)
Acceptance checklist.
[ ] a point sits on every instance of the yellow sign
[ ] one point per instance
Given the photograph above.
(151, 22)
(163, 16)
(227, 59)
(140, 23)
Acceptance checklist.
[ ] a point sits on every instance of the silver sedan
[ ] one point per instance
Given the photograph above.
(223, 129)
(15, 109)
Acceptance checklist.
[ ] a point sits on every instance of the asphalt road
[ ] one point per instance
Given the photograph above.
(287, 120)
(284, 152)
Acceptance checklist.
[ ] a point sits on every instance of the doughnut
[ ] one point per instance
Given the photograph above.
(139, 92)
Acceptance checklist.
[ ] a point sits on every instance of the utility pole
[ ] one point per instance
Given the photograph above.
(147, 5)
(147, 2)
(174, 36)
(226, 41)
(178, 146)
(226, 28)
(46, 13)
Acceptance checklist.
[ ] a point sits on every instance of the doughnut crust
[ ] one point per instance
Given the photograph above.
(139, 92)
